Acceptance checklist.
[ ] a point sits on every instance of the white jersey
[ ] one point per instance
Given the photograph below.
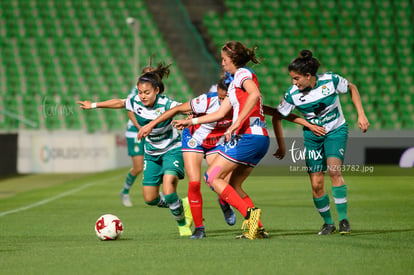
(131, 131)
(254, 123)
(319, 105)
(164, 136)
(208, 134)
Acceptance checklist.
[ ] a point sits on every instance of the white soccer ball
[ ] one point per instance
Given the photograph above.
(108, 227)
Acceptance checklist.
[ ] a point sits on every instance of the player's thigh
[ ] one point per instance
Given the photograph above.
(314, 152)
(173, 163)
(137, 164)
(335, 143)
(192, 164)
(221, 167)
(153, 172)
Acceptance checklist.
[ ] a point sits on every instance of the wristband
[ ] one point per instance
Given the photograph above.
(93, 105)
(194, 121)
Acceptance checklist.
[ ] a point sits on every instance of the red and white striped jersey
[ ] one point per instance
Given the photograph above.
(254, 123)
(211, 134)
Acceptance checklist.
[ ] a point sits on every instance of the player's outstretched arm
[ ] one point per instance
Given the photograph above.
(182, 108)
(109, 104)
(225, 107)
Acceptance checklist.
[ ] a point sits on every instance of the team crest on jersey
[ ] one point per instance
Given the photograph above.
(158, 112)
(192, 143)
(325, 90)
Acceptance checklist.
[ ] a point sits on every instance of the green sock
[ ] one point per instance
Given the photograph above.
(322, 204)
(176, 207)
(129, 181)
(154, 202)
(340, 196)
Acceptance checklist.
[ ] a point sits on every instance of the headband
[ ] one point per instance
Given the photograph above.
(228, 48)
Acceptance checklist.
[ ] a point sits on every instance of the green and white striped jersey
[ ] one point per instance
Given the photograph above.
(319, 105)
(164, 136)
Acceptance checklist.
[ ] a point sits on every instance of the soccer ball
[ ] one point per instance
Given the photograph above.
(108, 227)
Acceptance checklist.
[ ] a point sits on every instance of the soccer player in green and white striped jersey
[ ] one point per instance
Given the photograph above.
(316, 96)
(163, 160)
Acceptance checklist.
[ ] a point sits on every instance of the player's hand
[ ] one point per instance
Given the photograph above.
(280, 152)
(231, 131)
(86, 104)
(144, 131)
(180, 124)
(317, 130)
(363, 123)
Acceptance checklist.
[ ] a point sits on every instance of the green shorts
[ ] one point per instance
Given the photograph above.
(135, 147)
(319, 149)
(155, 167)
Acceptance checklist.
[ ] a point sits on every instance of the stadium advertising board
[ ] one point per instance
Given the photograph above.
(65, 152)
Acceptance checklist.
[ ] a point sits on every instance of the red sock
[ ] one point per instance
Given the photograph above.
(230, 195)
(250, 203)
(196, 202)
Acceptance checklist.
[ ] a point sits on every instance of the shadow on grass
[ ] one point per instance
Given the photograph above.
(302, 232)
(298, 232)
(379, 231)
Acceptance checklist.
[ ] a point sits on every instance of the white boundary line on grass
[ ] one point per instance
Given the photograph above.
(61, 195)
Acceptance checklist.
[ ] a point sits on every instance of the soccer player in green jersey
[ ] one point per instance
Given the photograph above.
(135, 149)
(163, 159)
(316, 96)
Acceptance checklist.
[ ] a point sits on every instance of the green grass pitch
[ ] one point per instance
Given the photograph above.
(46, 227)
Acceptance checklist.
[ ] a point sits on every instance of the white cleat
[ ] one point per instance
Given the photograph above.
(126, 200)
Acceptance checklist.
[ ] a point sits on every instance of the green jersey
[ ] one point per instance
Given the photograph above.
(319, 105)
(164, 136)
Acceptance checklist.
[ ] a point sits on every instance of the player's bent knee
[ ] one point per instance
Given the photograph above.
(210, 177)
(153, 202)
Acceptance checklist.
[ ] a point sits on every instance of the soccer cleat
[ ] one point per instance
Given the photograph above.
(261, 234)
(187, 212)
(184, 230)
(251, 224)
(327, 229)
(242, 236)
(125, 199)
(344, 227)
(199, 233)
(228, 213)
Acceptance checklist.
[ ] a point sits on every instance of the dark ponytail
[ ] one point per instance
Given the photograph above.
(239, 54)
(304, 63)
(155, 76)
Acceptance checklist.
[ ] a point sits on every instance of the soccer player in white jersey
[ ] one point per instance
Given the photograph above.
(200, 141)
(247, 138)
(316, 96)
(163, 160)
